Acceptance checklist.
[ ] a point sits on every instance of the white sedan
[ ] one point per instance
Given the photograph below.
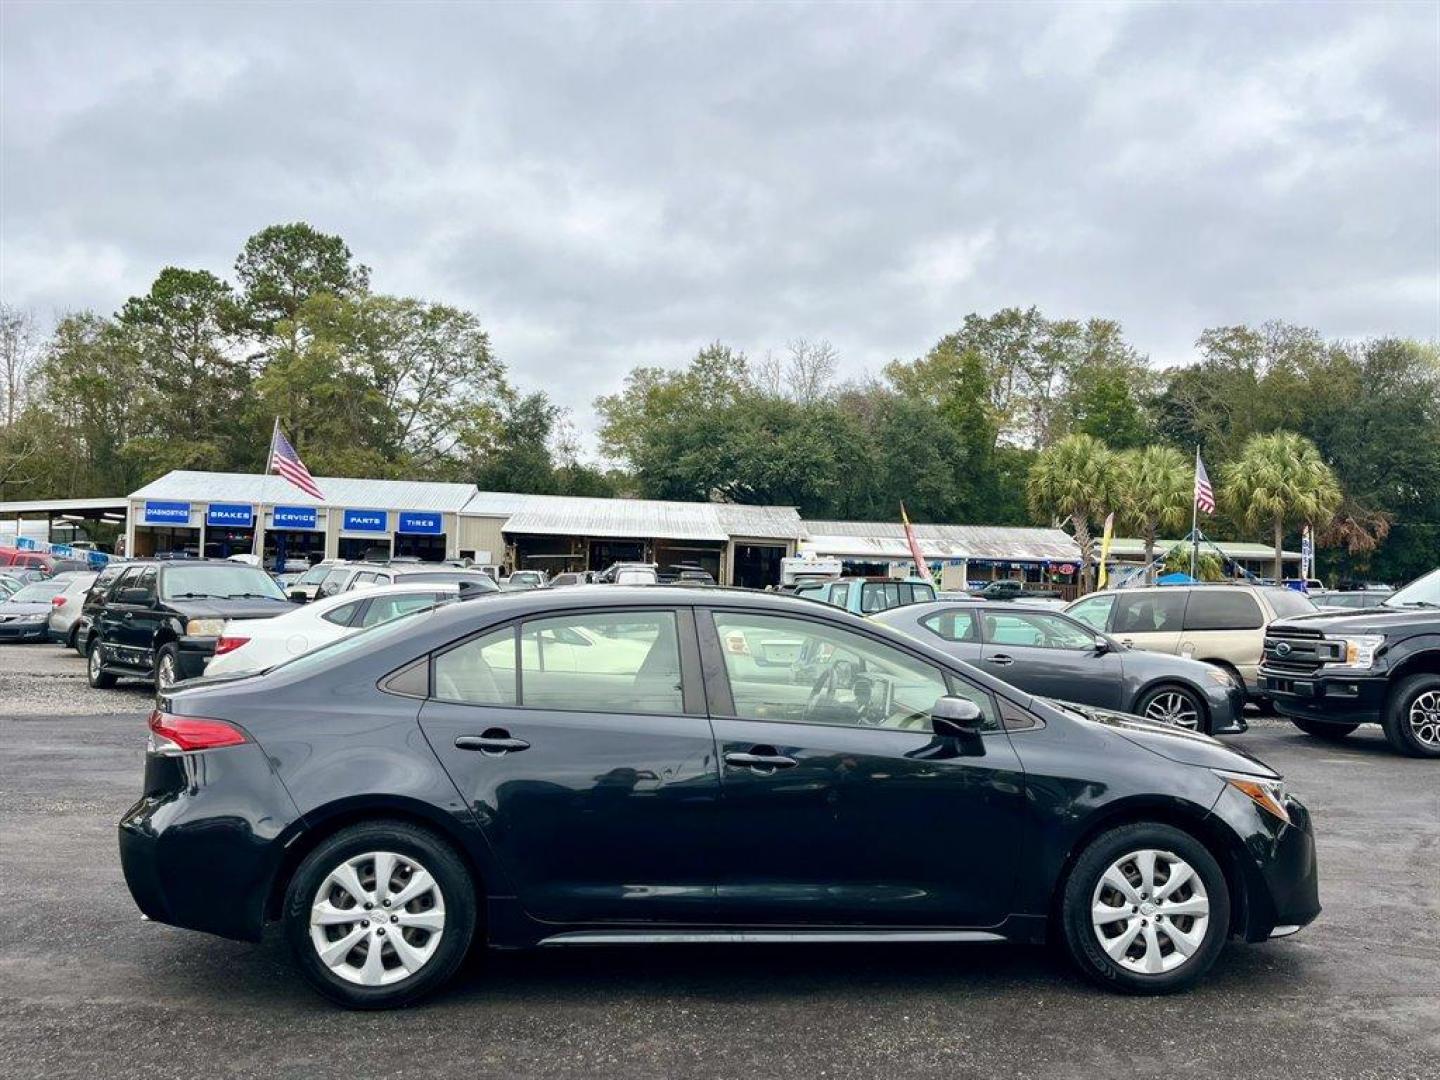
(250, 645)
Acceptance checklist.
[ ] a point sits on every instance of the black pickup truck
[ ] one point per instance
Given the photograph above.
(1332, 672)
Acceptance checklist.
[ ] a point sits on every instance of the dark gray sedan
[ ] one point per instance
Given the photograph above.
(1053, 655)
(23, 616)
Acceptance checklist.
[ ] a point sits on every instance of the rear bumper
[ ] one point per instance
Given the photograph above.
(200, 848)
(1349, 697)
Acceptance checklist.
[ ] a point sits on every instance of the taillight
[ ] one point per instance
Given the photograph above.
(229, 644)
(179, 734)
(57, 601)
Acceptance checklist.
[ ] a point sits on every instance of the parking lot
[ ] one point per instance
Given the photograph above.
(89, 989)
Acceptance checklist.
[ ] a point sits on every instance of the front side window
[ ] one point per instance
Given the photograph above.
(1036, 631)
(384, 608)
(1223, 609)
(1150, 612)
(621, 661)
(1287, 602)
(801, 671)
(956, 624)
(146, 581)
(1094, 611)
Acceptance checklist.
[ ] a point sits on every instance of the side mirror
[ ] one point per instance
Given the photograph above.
(956, 718)
(133, 596)
(1102, 645)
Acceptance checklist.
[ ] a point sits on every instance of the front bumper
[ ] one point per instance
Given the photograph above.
(200, 848)
(1339, 694)
(192, 653)
(24, 631)
(1227, 709)
(1277, 864)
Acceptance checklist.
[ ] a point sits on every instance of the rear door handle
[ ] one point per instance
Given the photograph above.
(494, 742)
(760, 762)
(1000, 658)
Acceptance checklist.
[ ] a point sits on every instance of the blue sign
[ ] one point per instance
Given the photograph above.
(431, 524)
(294, 517)
(167, 513)
(237, 515)
(363, 521)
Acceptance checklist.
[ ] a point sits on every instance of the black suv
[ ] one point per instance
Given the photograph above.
(161, 620)
(1330, 673)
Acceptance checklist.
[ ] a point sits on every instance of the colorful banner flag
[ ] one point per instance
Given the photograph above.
(922, 568)
(1105, 551)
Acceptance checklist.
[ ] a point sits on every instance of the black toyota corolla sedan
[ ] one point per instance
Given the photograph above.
(651, 764)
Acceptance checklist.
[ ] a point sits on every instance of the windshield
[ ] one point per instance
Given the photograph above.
(40, 592)
(1289, 602)
(230, 582)
(1422, 592)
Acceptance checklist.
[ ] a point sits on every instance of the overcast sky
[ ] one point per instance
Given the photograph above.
(610, 184)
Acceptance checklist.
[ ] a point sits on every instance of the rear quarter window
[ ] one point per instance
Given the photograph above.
(1223, 609)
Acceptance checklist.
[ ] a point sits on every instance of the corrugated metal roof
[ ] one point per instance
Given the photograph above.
(494, 504)
(340, 491)
(571, 516)
(886, 539)
(40, 506)
(761, 522)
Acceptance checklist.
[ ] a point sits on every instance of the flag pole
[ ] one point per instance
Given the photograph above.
(1195, 520)
(258, 547)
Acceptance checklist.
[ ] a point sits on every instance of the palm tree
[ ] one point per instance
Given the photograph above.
(1076, 479)
(1156, 493)
(1280, 479)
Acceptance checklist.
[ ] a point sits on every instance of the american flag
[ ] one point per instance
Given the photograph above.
(286, 462)
(1204, 493)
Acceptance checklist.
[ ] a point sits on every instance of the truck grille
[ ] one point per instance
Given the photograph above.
(1299, 651)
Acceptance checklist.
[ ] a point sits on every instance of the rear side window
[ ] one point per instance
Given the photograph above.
(480, 671)
(1150, 612)
(879, 596)
(840, 595)
(625, 661)
(384, 608)
(957, 625)
(343, 615)
(923, 593)
(1222, 609)
(1289, 602)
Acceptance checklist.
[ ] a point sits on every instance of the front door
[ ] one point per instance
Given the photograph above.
(1051, 656)
(838, 803)
(131, 620)
(581, 744)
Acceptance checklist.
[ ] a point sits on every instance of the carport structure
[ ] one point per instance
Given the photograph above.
(98, 521)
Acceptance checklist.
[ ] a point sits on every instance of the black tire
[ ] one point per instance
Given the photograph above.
(1195, 702)
(94, 658)
(1081, 886)
(456, 888)
(168, 655)
(81, 645)
(70, 638)
(1323, 729)
(1411, 721)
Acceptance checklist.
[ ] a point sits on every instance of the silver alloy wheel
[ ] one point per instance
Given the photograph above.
(165, 672)
(377, 918)
(1150, 911)
(96, 662)
(1173, 708)
(1425, 717)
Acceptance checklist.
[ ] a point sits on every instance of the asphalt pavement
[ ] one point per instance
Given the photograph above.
(87, 989)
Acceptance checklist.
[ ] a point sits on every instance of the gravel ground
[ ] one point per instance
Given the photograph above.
(89, 990)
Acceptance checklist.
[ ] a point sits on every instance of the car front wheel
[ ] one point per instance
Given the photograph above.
(380, 915)
(166, 668)
(1145, 909)
(1176, 706)
(1412, 715)
(95, 673)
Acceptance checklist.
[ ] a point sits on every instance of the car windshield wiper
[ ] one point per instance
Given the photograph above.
(253, 596)
(194, 596)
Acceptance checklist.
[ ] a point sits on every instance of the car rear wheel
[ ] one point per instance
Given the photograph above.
(95, 673)
(1176, 706)
(1412, 715)
(1323, 729)
(1146, 909)
(380, 915)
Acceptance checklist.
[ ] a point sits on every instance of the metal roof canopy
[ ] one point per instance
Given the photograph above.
(56, 506)
(886, 540)
(340, 491)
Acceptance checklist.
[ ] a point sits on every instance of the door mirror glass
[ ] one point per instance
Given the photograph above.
(956, 718)
(134, 595)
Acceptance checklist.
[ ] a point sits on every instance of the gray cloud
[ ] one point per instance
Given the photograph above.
(615, 184)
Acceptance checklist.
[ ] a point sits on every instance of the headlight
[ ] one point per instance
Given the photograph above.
(204, 627)
(1360, 651)
(1267, 794)
(1219, 676)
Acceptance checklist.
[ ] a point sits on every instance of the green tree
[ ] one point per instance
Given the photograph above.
(284, 265)
(1280, 479)
(1156, 489)
(1078, 480)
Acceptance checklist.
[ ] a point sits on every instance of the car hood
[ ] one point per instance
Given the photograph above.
(232, 609)
(1366, 621)
(9, 608)
(1186, 747)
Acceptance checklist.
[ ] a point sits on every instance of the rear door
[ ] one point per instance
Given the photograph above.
(839, 804)
(1050, 655)
(594, 780)
(1225, 624)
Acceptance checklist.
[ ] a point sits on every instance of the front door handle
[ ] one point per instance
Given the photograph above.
(494, 742)
(1000, 658)
(1129, 643)
(761, 762)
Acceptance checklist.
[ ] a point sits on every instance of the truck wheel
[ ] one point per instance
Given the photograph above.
(166, 669)
(1412, 715)
(1323, 729)
(95, 673)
